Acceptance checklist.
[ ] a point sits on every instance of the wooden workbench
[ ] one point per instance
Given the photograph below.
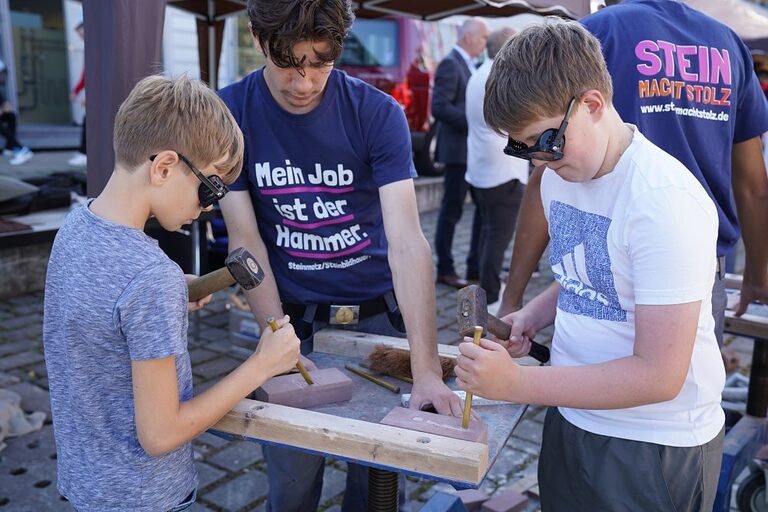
(350, 430)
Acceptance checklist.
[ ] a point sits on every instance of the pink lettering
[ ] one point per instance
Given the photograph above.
(721, 66)
(684, 63)
(644, 52)
(704, 63)
(669, 60)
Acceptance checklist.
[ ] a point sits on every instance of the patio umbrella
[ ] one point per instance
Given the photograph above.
(210, 16)
(437, 9)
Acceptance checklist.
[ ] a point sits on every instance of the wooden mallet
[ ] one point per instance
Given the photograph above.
(239, 267)
(472, 311)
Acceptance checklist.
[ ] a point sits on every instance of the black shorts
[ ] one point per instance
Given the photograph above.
(581, 471)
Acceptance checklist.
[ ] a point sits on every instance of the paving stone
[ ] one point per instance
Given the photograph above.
(23, 321)
(198, 507)
(208, 474)
(19, 360)
(6, 379)
(214, 334)
(509, 462)
(219, 320)
(529, 430)
(237, 455)
(212, 440)
(33, 398)
(15, 347)
(18, 335)
(236, 494)
(28, 309)
(334, 483)
(215, 367)
(198, 355)
(22, 300)
(448, 337)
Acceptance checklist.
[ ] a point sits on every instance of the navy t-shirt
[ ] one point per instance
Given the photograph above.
(314, 179)
(687, 82)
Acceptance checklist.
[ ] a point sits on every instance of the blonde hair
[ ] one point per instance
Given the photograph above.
(537, 72)
(182, 115)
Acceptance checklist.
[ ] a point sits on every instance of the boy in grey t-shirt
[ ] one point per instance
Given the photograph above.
(115, 326)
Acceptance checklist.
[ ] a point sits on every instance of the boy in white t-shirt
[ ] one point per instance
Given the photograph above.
(636, 373)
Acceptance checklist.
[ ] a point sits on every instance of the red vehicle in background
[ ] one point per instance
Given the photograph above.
(392, 55)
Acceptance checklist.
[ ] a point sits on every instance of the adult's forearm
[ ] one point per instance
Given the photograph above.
(750, 188)
(415, 290)
(531, 239)
(264, 299)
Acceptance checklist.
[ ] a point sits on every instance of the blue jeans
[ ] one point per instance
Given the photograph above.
(296, 478)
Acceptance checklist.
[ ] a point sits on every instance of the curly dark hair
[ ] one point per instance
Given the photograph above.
(280, 24)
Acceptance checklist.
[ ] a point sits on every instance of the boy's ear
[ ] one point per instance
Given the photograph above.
(595, 101)
(161, 168)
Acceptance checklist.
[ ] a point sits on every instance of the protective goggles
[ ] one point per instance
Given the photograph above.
(548, 148)
(211, 188)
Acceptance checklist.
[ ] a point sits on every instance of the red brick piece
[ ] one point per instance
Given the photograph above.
(331, 385)
(432, 423)
(472, 498)
(508, 501)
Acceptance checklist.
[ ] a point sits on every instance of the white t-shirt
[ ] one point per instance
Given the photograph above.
(644, 233)
(487, 165)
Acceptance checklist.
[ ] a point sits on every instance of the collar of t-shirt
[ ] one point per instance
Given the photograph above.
(470, 62)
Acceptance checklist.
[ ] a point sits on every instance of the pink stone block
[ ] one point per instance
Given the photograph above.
(472, 498)
(439, 424)
(331, 385)
(508, 501)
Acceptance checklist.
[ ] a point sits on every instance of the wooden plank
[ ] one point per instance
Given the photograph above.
(342, 342)
(752, 326)
(380, 445)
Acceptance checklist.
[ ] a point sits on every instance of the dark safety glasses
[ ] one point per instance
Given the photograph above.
(211, 188)
(548, 148)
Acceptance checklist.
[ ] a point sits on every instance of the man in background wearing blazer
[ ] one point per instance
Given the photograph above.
(451, 78)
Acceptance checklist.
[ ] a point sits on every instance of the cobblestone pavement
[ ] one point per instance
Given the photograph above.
(232, 473)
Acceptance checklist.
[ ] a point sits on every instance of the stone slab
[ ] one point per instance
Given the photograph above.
(472, 498)
(330, 386)
(508, 501)
(431, 423)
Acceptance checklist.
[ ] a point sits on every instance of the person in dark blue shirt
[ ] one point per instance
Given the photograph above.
(686, 81)
(326, 200)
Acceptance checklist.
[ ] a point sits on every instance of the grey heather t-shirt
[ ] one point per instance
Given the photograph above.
(112, 296)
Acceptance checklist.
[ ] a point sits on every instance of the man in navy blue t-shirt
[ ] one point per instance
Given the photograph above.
(686, 81)
(326, 200)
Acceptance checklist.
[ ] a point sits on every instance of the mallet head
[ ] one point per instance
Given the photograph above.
(471, 309)
(244, 268)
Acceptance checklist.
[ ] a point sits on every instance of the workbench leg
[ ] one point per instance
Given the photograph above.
(757, 396)
(382, 490)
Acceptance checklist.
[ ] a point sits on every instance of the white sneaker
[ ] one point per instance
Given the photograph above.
(21, 156)
(79, 160)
